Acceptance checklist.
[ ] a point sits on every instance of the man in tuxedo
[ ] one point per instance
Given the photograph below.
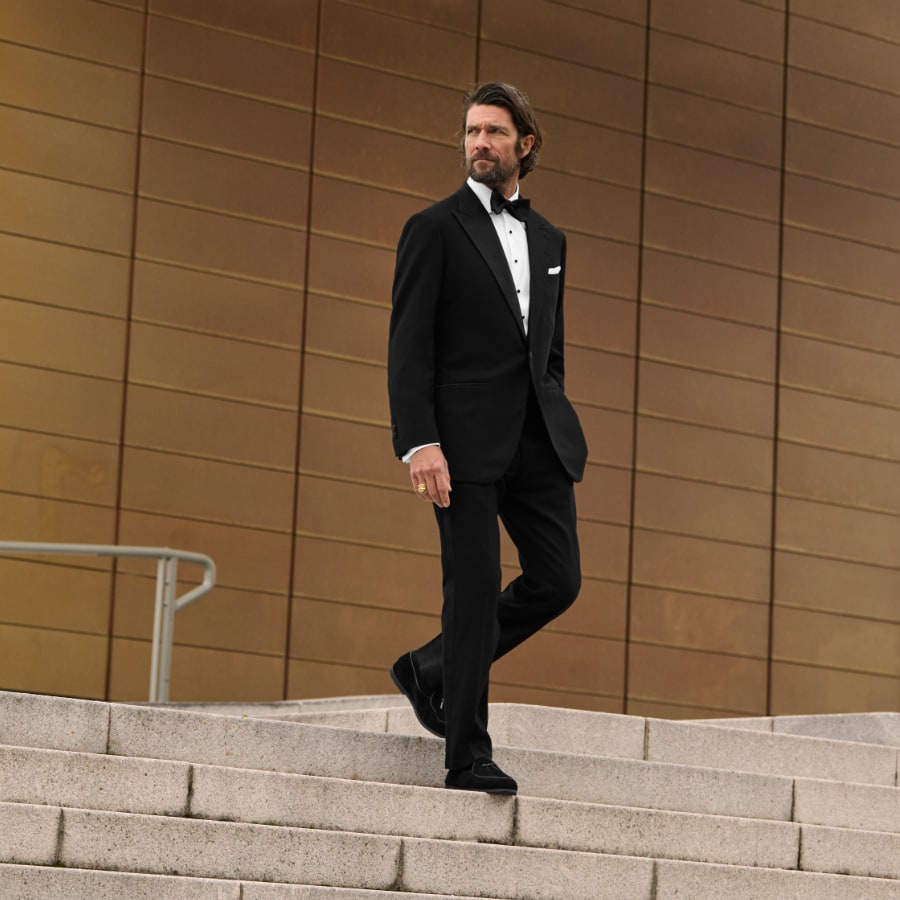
(478, 409)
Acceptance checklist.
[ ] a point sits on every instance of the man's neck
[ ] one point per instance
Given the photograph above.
(508, 190)
(480, 185)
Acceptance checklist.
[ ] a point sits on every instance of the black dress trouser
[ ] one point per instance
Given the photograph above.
(480, 623)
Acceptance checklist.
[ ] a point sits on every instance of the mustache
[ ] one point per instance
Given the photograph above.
(476, 156)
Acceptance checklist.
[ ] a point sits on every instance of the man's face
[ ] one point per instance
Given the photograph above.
(493, 147)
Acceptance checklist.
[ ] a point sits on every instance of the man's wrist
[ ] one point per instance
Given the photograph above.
(409, 453)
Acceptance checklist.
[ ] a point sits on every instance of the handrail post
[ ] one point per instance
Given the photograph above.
(157, 629)
(168, 626)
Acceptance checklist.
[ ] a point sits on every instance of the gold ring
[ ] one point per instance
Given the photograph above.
(421, 488)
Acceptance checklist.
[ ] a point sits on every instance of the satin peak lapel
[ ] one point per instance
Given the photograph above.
(478, 226)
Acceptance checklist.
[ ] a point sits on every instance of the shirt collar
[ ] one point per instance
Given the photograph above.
(483, 193)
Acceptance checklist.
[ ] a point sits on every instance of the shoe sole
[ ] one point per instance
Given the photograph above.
(497, 792)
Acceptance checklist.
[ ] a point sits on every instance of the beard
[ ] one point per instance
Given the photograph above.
(497, 174)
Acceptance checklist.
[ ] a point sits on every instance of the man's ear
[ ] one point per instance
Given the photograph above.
(527, 143)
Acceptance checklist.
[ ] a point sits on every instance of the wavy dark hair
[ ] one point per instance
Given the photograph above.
(498, 93)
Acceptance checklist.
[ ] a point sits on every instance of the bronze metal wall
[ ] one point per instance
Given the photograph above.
(199, 203)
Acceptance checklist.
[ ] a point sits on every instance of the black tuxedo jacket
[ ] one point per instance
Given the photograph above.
(459, 361)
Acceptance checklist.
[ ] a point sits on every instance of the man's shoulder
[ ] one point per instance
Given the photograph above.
(435, 220)
(443, 207)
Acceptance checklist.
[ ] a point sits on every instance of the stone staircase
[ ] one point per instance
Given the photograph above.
(343, 800)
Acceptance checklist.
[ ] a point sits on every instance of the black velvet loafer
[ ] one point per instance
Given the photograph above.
(427, 707)
(483, 775)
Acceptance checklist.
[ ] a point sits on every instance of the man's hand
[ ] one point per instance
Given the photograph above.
(428, 467)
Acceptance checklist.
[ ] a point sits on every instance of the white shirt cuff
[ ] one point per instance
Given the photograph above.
(408, 455)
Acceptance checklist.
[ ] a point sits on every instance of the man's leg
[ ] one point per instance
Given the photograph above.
(537, 508)
(549, 582)
(470, 558)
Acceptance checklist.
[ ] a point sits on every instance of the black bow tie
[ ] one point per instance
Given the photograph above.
(516, 208)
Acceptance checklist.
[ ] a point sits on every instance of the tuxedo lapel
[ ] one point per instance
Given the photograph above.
(478, 226)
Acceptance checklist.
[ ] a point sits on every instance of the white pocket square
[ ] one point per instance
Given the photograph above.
(555, 270)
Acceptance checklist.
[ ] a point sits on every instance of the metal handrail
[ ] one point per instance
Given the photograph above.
(167, 604)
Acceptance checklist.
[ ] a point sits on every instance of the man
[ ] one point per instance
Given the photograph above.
(475, 379)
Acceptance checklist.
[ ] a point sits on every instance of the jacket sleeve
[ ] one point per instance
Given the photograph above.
(418, 276)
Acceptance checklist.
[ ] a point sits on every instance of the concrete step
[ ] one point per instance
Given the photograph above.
(743, 747)
(867, 728)
(54, 723)
(512, 725)
(20, 882)
(23, 882)
(843, 805)
(222, 794)
(359, 753)
(277, 708)
(95, 781)
(124, 729)
(117, 783)
(159, 787)
(162, 845)
(177, 789)
(570, 849)
(696, 881)
(280, 809)
(317, 750)
(672, 881)
(784, 754)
